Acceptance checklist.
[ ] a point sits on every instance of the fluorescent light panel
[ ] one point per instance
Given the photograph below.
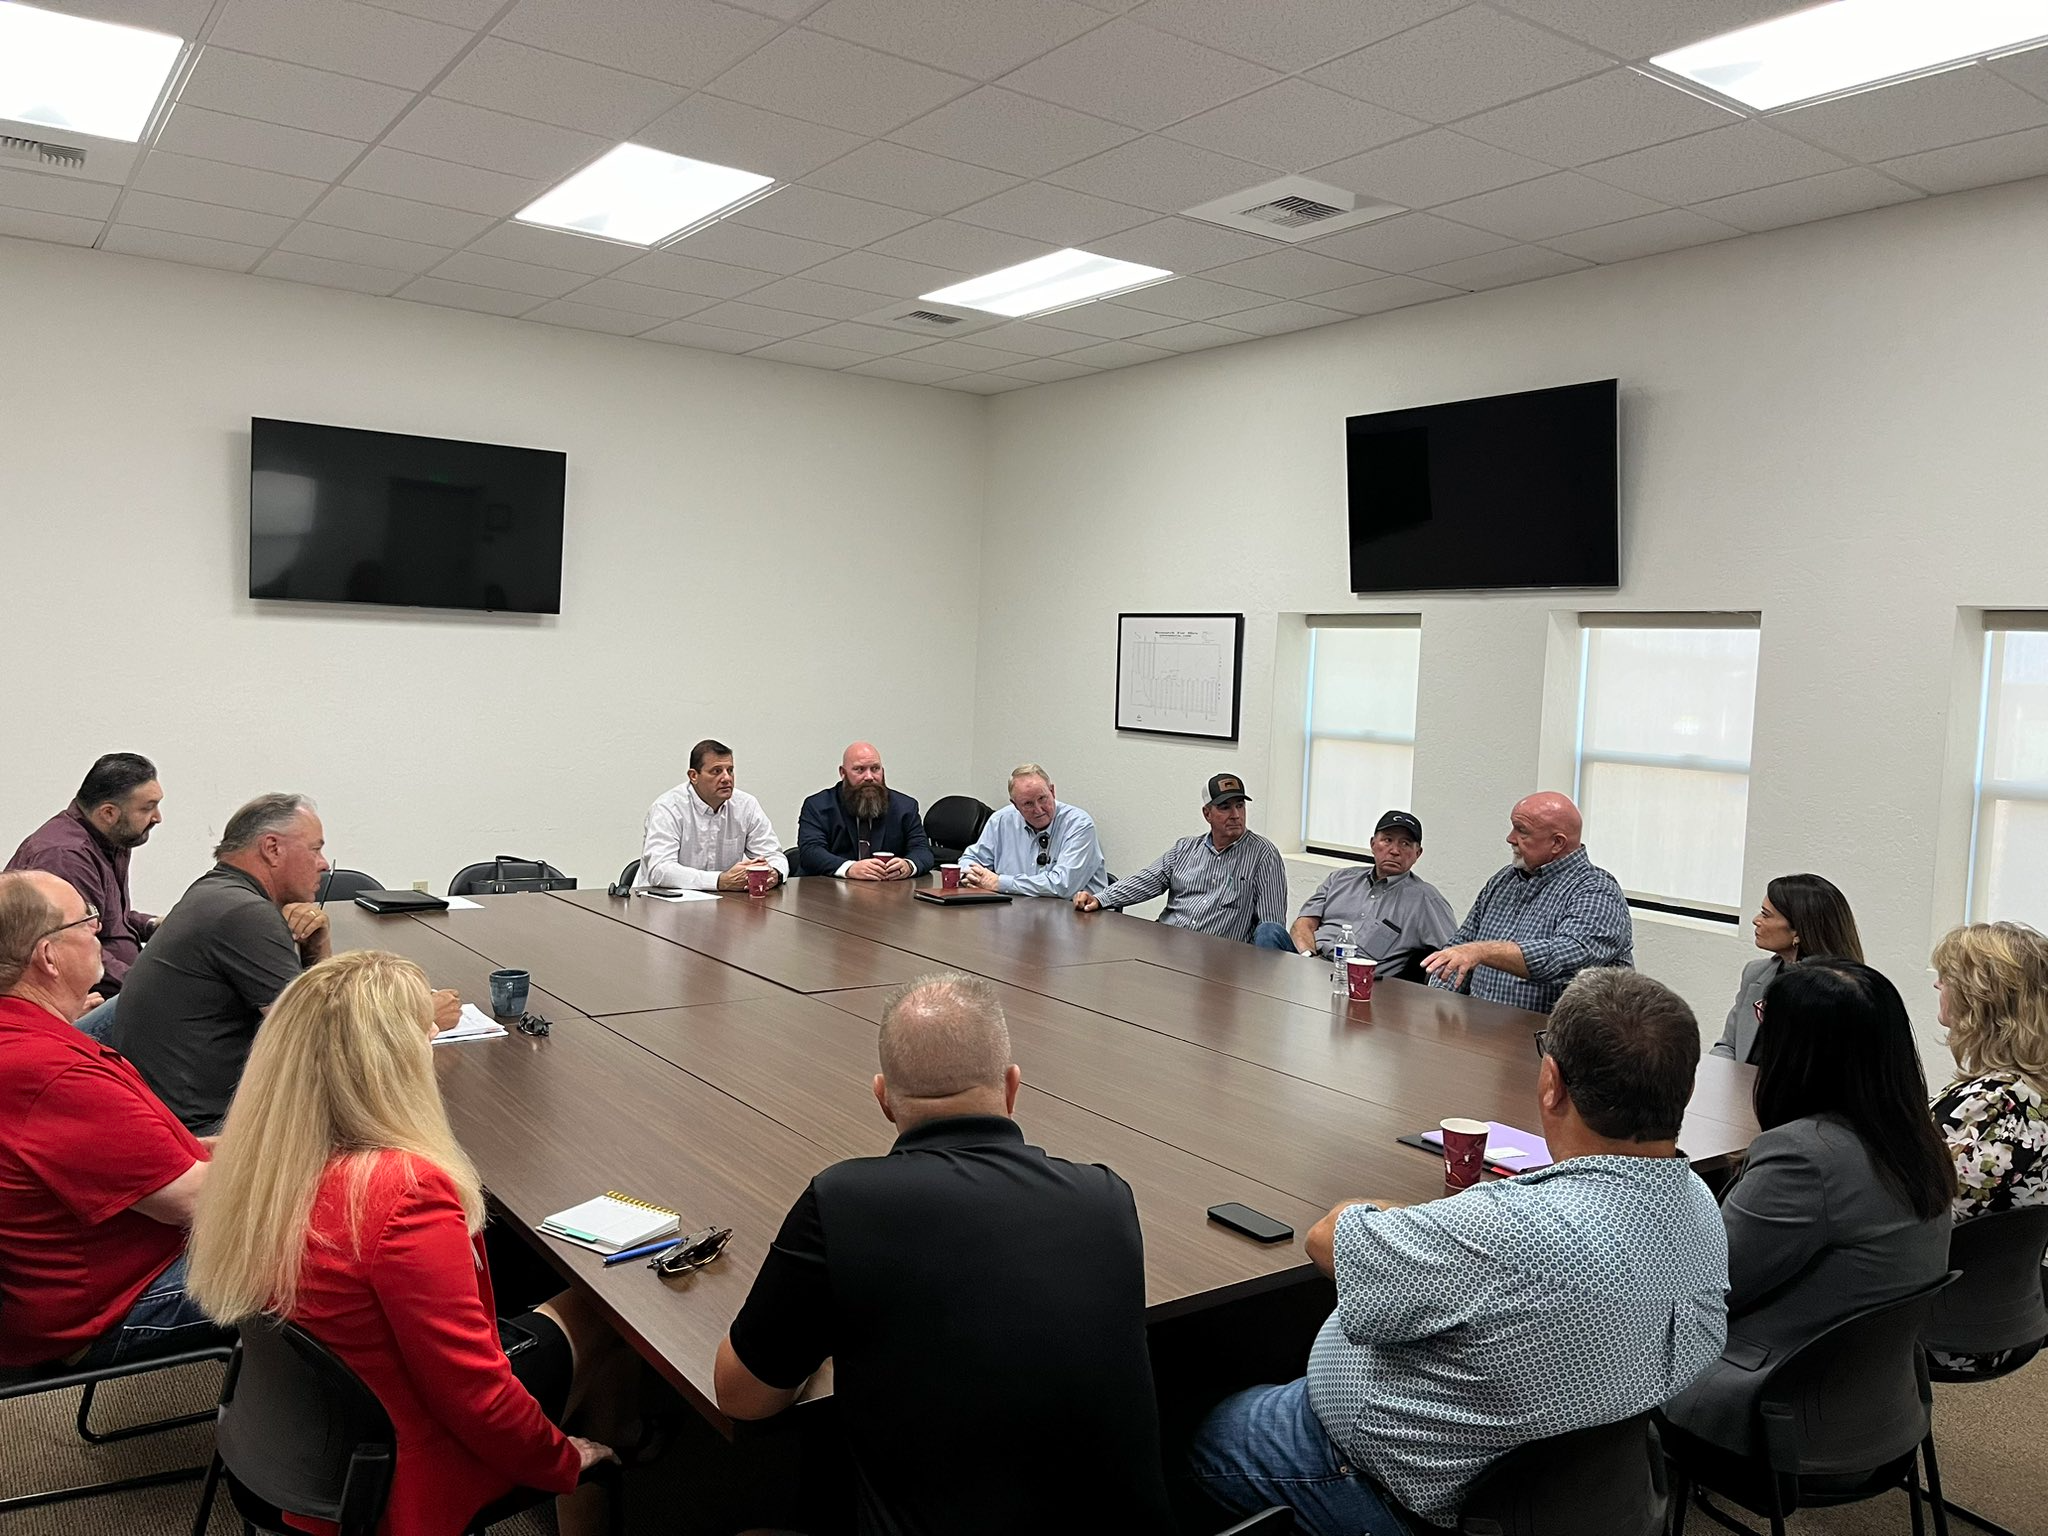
(1050, 282)
(1837, 47)
(641, 196)
(91, 77)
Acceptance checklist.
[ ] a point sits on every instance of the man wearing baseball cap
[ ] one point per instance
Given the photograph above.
(1396, 916)
(1225, 883)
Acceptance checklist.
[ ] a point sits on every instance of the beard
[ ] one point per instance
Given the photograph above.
(868, 801)
(122, 837)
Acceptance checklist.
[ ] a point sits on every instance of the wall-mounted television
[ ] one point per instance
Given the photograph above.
(338, 515)
(1511, 491)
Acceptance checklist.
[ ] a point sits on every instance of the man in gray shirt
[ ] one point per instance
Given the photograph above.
(1225, 884)
(1396, 917)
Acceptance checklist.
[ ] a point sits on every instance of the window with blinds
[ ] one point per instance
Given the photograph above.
(2009, 852)
(1360, 760)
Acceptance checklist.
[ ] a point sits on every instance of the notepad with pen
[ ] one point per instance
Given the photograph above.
(611, 1222)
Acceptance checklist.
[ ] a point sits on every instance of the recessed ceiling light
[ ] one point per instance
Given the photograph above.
(92, 77)
(640, 196)
(1849, 43)
(1049, 282)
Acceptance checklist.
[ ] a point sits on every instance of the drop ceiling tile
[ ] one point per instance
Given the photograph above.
(1594, 119)
(1435, 167)
(977, 38)
(513, 276)
(639, 299)
(687, 274)
(1800, 202)
(1033, 339)
(763, 321)
(1382, 294)
(905, 370)
(1118, 354)
(1195, 336)
(357, 248)
(1038, 210)
(180, 18)
(733, 133)
(1716, 164)
(555, 248)
(1131, 74)
(490, 301)
(952, 246)
(208, 220)
(493, 141)
(827, 217)
(886, 274)
(2028, 70)
(402, 173)
(1181, 245)
(210, 135)
(874, 340)
(903, 177)
(1466, 61)
(706, 338)
(569, 93)
(965, 354)
(841, 85)
(592, 317)
(1549, 206)
(1292, 125)
(233, 186)
(686, 42)
(1009, 132)
(1161, 174)
(810, 354)
(401, 218)
(456, 13)
(349, 39)
(354, 276)
(1191, 298)
(61, 228)
(1291, 274)
(1653, 233)
(1914, 116)
(806, 296)
(1497, 269)
(2009, 157)
(1277, 319)
(1106, 320)
(762, 249)
(1412, 241)
(1643, 27)
(277, 92)
(194, 250)
(781, 10)
(1047, 370)
(1291, 36)
(983, 383)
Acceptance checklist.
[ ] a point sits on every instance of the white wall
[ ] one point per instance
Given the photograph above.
(1840, 426)
(752, 552)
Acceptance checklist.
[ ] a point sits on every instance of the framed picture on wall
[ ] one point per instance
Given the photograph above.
(1179, 674)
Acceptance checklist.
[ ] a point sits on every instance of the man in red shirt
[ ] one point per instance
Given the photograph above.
(98, 1180)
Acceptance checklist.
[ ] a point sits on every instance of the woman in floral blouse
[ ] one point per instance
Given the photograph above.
(1992, 983)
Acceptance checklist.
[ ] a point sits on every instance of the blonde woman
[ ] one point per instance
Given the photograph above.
(339, 1200)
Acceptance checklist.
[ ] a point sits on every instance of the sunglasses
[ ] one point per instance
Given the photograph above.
(1044, 844)
(693, 1252)
(533, 1024)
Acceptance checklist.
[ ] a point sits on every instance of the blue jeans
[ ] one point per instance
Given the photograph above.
(163, 1321)
(1274, 936)
(99, 1022)
(1265, 1446)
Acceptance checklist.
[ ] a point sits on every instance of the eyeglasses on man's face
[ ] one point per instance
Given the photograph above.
(92, 916)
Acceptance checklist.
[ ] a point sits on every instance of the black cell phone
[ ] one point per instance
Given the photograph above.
(513, 1339)
(1256, 1225)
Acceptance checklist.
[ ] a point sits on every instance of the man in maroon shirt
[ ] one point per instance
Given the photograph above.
(98, 1180)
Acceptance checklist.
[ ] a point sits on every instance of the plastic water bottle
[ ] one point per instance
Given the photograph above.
(1340, 958)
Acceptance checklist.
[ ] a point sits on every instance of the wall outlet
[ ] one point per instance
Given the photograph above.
(419, 885)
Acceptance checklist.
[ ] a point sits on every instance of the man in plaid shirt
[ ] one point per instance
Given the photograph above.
(1549, 915)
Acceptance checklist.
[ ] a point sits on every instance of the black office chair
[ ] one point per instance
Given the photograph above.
(1840, 1420)
(1997, 1310)
(1606, 1480)
(623, 886)
(301, 1434)
(953, 823)
(508, 873)
(343, 884)
(33, 1383)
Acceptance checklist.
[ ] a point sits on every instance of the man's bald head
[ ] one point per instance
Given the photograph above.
(1542, 827)
(34, 906)
(945, 1051)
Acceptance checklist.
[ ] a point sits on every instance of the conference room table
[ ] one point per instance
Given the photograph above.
(713, 1055)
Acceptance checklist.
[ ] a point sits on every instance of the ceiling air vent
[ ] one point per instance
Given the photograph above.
(930, 317)
(1293, 209)
(36, 152)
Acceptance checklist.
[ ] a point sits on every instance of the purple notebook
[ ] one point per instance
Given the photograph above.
(1508, 1149)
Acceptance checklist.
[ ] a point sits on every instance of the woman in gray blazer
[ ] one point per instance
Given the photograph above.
(1843, 1200)
(1801, 915)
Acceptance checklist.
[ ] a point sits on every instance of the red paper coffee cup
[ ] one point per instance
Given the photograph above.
(949, 877)
(1358, 978)
(1464, 1151)
(758, 879)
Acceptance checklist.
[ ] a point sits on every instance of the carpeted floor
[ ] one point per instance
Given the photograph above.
(1994, 1458)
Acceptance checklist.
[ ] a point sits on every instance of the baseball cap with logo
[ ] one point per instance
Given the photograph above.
(1225, 789)
(1401, 821)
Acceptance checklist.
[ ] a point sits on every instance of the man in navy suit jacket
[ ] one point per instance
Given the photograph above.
(860, 828)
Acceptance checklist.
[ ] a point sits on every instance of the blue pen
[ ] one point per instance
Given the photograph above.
(638, 1253)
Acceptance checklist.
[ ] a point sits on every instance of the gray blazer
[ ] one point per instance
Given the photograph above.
(1814, 1234)
(1739, 1038)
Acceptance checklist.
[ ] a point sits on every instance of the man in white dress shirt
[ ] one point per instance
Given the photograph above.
(704, 835)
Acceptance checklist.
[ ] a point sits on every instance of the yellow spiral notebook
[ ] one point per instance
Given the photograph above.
(612, 1222)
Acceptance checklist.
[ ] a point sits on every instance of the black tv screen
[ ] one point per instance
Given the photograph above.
(338, 515)
(1510, 491)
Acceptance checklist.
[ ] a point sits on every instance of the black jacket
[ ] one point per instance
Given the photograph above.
(827, 834)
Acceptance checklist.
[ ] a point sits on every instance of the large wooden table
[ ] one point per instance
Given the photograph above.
(714, 1055)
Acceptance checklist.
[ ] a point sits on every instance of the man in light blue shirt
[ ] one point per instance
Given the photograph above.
(1580, 1294)
(1035, 846)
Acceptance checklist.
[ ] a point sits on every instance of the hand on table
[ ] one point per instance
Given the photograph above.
(975, 878)
(447, 1008)
(1454, 965)
(1086, 901)
(869, 869)
(308, 925)
(894, 868)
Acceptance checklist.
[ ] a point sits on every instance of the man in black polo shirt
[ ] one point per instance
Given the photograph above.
(983, 1304)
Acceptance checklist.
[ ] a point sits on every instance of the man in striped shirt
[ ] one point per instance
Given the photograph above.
(1225, 883)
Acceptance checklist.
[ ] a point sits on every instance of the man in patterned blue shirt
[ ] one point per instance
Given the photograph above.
(1549, 915)
(1580, 1294)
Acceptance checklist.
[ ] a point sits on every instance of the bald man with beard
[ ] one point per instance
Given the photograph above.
(860, 828)
(1549, 915)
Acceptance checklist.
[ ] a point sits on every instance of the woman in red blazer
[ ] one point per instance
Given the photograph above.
(345, 1205)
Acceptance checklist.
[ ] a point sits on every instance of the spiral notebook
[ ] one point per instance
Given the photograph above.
(611, 1222)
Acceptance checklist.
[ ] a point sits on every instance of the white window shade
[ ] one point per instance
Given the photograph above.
(1361, 731)
(2010, 859)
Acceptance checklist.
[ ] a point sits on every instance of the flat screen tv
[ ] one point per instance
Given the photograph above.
(338, 515)
(1510, 491)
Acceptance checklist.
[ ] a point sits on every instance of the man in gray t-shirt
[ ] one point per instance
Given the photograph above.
(1396, 917)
